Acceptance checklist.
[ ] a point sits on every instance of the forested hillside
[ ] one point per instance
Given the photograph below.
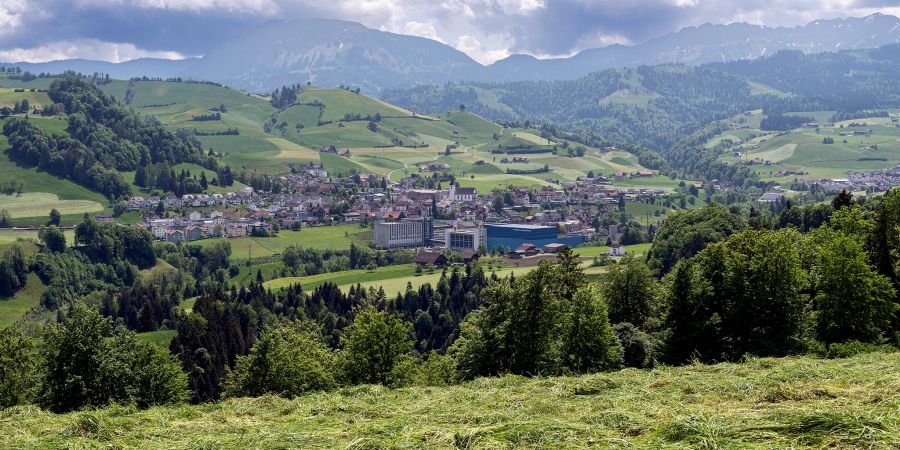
(102, 138)
(658, 106)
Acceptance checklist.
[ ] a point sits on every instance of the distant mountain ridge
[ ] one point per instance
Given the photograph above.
(332, 52)
(150, 67)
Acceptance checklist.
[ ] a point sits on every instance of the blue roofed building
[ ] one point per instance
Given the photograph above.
(512, 236)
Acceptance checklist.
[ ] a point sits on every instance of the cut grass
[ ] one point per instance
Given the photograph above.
(32, 204)
(795, 402)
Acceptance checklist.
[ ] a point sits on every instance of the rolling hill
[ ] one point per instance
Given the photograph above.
(253, 135)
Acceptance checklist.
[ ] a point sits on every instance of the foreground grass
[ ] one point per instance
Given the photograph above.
(796, 402)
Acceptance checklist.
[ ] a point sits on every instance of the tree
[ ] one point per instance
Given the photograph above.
(12, 271)
(842, 200)
(372, 126)
(54, 217)
(88, 363)
(141, 176)
(203, 182)
(589, 344)
(291, 257)
(375, 347)
(684, 234)
(630, 290)
(284, 362)
(853, 302)
(17, 368)
(5, 219)
(693, 330)
(53, 238)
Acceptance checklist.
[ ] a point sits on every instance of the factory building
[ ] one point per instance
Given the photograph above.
(412, 232)
(511, 236)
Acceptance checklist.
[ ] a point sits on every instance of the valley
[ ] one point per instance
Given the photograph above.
(288, 231)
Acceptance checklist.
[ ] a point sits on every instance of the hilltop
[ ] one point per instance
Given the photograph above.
(796, 402)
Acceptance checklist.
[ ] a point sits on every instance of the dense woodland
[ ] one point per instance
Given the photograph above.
(719, 283)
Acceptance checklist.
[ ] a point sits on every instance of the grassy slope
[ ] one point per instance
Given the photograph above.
(336, 237)
(803, 149)
(796, 402)
(13, 308)
(40, 186)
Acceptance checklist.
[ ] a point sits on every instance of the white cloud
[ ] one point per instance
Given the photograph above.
(85, 48)
(425, 30)
(471, 46)
(11, 14)
(598, 38)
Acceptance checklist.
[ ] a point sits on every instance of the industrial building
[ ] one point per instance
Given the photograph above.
(464, 236)
(411, 232)
(511, 236)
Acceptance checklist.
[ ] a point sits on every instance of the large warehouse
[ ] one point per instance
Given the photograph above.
(512, 235)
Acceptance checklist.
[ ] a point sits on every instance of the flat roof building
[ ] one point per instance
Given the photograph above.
(511, 236)
(414, 232)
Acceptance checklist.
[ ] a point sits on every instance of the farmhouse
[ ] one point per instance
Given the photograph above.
(431, 258)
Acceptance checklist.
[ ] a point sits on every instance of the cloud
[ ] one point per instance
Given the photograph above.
(425, 30)
(86, 49)
(477, 51)
(485, 29)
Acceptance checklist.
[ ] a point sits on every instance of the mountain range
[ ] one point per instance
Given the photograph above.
(332, 53)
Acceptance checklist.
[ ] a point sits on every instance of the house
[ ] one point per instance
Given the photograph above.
(644, 173)
(103, 218)
(434, 259)
(555, 247)
(393, 216)
(345, 152)
(193, 233)
(770, 197)
(469, 257)
(617, 250)
(235, 231)
(523, 250)
(174, 235)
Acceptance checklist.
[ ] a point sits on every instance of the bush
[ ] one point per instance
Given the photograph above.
(283, 362)
(376, 348)
(638, 348)
(847, 349)
(85, 363)
(17, 368)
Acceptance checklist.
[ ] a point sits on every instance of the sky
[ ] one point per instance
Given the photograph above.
(486, 30)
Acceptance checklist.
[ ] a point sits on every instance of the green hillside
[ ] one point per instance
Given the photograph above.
(268, 140)
(41, 191)
(797, 402)
(804, 149)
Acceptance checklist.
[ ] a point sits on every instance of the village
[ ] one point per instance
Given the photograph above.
(459, 219)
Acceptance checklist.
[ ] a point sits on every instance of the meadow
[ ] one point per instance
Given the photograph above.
(793, 402)
(337, 237)
(804, 149)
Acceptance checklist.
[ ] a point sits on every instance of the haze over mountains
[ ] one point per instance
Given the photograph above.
(332, 52)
